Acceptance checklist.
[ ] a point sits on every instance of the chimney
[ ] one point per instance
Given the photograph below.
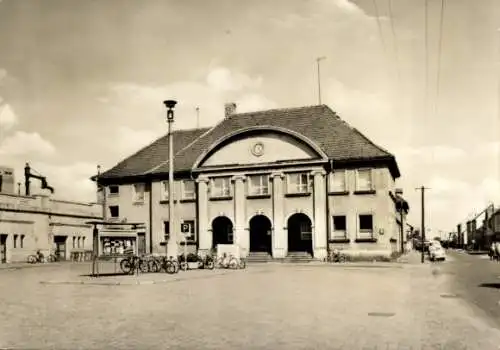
(229, 109)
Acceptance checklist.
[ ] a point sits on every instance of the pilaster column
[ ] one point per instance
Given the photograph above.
(241, 236)
(204, 235)
(279, 238)
(320, 220)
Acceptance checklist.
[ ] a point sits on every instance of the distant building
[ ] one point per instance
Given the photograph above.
(276, 182)
(7, 180)
(28, 223)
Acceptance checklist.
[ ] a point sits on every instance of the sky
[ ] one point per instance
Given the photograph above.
(82, 83)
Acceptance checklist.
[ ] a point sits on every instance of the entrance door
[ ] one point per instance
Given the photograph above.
(60, 242)
(141, 244)
(260, 234)
(3, 249)
(299, 233)
(222, 231)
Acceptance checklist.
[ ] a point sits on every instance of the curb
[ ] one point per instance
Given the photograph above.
(7, 267)
(132, 282)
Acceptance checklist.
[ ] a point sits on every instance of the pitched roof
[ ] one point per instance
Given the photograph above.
(338, 140)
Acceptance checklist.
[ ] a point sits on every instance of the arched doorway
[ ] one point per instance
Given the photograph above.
(222, 231)
(260, 234)
(299, 233)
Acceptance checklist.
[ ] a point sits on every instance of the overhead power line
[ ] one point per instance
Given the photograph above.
(440, 45)
(379, 25)
(426, 39)
(394, 40)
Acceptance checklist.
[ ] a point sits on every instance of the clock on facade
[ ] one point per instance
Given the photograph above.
(258, 149)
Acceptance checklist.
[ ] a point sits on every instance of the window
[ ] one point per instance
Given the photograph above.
(22, 241)
(114, 189)
(78, 242)
(166, 230)
(15, 240)
(339, 183)
(339, 226)
(220, 187)
(366, 226)
(139, 193)
(364, 181)
(83, 242)
(258, 185)
(114, 211)
(188, 229)
(164, 190)
(188, 189)
(74, 242)
(298, 183)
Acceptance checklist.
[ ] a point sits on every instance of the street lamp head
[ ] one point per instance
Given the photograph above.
(170, 103)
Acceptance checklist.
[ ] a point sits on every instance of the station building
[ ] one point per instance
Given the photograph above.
(275, 182)
(38, 222)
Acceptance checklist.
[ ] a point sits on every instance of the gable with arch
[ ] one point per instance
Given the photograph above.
(260, 145)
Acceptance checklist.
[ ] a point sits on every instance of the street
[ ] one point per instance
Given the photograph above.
(268, 306)
(477, 280)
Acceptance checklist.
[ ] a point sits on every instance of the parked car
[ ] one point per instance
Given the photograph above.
(436, 252)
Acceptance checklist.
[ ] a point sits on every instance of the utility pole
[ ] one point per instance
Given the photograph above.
(319, 78)
(422, 228)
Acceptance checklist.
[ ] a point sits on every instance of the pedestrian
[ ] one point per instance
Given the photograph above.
(497, 250)
(491, 253)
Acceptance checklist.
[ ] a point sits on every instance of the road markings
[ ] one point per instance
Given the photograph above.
(449, 296)
(381, 314)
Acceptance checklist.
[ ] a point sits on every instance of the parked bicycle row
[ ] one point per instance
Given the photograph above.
(150, 263)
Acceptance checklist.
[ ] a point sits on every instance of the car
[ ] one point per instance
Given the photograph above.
(437, 252)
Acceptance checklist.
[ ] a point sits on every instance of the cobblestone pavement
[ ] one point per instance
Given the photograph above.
(263, 307)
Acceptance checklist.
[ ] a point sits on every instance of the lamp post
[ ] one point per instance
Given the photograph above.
(171, 245)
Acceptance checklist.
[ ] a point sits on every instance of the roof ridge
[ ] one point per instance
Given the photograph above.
(150, 144)
(184, 148)
(273, 110)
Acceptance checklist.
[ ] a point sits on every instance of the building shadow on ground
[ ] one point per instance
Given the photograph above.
(107, 274)
(490, 285)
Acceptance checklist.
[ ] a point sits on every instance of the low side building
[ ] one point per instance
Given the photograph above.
(29, 223)
(275, 182)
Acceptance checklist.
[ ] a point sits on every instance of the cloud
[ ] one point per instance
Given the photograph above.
(221, 85)
(222, 79)
(26, 144)
(433, 154)
(130, 140)
(7, 117)
(348, 6)
(71, 182)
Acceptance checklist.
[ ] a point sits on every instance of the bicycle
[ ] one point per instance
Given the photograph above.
(170, 265)
(336, 256)
(38, 257)
(242, 264)
(227, 262)
(132, 264)
(207, 262)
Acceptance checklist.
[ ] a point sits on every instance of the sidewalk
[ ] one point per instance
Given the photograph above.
(413, 257)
